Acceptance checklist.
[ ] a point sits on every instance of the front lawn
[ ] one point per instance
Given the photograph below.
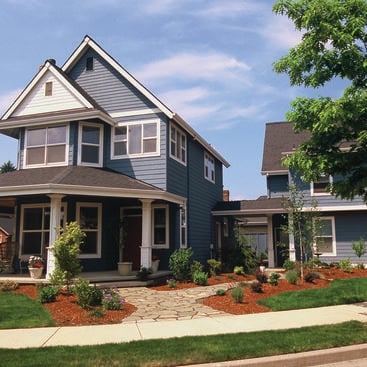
(340, 291)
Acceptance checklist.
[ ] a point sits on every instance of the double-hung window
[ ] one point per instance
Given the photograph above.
(46, 146)
(90, 145)
(209, 167)
(177, 144)
(136, 139)
(321, 186)
(160, 226)
(325, 238)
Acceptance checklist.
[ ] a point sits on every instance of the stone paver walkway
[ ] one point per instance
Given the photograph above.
(183, 304)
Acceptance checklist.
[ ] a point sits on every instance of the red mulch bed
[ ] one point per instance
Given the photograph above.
(66, 312)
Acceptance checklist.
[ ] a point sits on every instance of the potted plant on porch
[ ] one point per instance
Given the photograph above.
(35, 266)
(155, 263)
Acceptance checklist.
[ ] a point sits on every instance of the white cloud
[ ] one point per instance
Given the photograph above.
(158, 6)
(210, 66)
(7, 99)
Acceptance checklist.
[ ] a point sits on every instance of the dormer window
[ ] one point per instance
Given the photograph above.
(321, 186)
(48, 89)
(89, 63)
(46, 146)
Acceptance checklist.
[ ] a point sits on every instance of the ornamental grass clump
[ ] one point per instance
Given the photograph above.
(237, 294)
(112, 300)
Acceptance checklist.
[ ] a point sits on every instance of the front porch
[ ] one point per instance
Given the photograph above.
(101, 279)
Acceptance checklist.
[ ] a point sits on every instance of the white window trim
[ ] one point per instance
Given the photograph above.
(96, 255)
(333, 253)
(21, 231)
(57, 164)
(211, 167)
(170, 149)
(165, 245)
(100, 150)
(139, 155)
(313, 193)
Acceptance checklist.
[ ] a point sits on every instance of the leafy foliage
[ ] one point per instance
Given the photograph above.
(359, 247)
(291, 276)
(179, 263)
(214, 267)
(256, 286)
(47, 294)
(86, 295)
(333, 47)
(200, 278)
(237, 294)
(7, 167)
(273, 278)
(345, 265)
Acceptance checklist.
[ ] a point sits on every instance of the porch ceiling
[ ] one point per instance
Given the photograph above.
(77, 180)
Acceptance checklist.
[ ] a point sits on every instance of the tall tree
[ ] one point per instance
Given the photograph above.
(7, 167)
(333, 46)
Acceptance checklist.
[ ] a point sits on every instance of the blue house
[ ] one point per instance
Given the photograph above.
(262, 220)
(97, 147)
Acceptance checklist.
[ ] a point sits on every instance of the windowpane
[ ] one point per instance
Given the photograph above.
(325, 245)
(32, 243)
(90, 135)
(120, 148)
(32, 218)
(56, 135)
(149, 146)
(36, 137)
(120, 133)
(88, 217)
(160, 226)
(90, 154)
(35, 155)
(150, 130)
(89, 245)
(56, 153)
(135, 139)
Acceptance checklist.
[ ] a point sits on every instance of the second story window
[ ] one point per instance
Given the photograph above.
(209, 167)
(90, 145)
(46, 146)
(178, 144)
(320, 187)
(135, 139)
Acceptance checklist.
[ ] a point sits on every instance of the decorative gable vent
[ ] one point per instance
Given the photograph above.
(48, 89)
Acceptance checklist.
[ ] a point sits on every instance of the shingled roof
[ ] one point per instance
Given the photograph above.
(280, 140)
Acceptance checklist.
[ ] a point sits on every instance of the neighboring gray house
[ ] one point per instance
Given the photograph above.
(97, 147)
(344, 221)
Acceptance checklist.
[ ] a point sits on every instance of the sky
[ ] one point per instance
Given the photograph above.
(210, 61)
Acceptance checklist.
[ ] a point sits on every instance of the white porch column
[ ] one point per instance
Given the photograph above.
(292, 249)
(55, 219)
(146, 245)
(271, 262)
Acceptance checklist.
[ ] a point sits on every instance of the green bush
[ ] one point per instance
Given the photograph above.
(249, 259)
(313, 263)
(179, 263)
(47, 294)
(200, 278)
(238, 270)
(112, 300)
(221, 292)
(214, 267)
(289, 265)
(359, 247)
(237, 294)
(256, 287)
(196, 267)
(8, 286)
(87, 296)
(311, 276)
(291, 276)
(345, 265)
(172, 283)
(273, 278)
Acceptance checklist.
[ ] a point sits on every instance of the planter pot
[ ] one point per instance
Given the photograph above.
(35, 273)
(124, 268)
(262, 268)
(155, 264)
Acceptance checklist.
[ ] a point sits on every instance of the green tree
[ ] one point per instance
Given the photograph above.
(303, 223)
(66, 250)
(7, 167)
(333, 47)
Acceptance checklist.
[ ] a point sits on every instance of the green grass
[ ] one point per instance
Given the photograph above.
(19, 311)
(191, 350)
(341, 291)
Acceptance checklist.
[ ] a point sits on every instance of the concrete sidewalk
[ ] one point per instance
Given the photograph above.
(145, 329)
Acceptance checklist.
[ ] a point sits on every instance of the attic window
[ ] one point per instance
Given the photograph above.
(48, 89)
(89, 64)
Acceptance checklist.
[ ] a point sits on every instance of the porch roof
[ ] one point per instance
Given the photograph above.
(77, 180)
(260, 206)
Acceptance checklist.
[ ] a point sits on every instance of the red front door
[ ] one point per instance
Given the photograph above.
(133, 241)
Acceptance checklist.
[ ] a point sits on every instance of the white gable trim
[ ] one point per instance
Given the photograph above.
(48, 67)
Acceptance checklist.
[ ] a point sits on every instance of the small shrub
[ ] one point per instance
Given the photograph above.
(345, 265)
(289, 265)
(144, 273)
(86, 295)
(238, 270)
(313, 263)
(256, 287)
(261, 276)
(97, 312)
(291, 276)
(311, 276)
(214, 267)
(359, 247)
(112, 300)
(47, 294)
(8, 286)
(196, 267)
(221, 292)
(360, 266)
(273, 279)
(172, 283)
(200, 278)
(237, 294)
(179, 263)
